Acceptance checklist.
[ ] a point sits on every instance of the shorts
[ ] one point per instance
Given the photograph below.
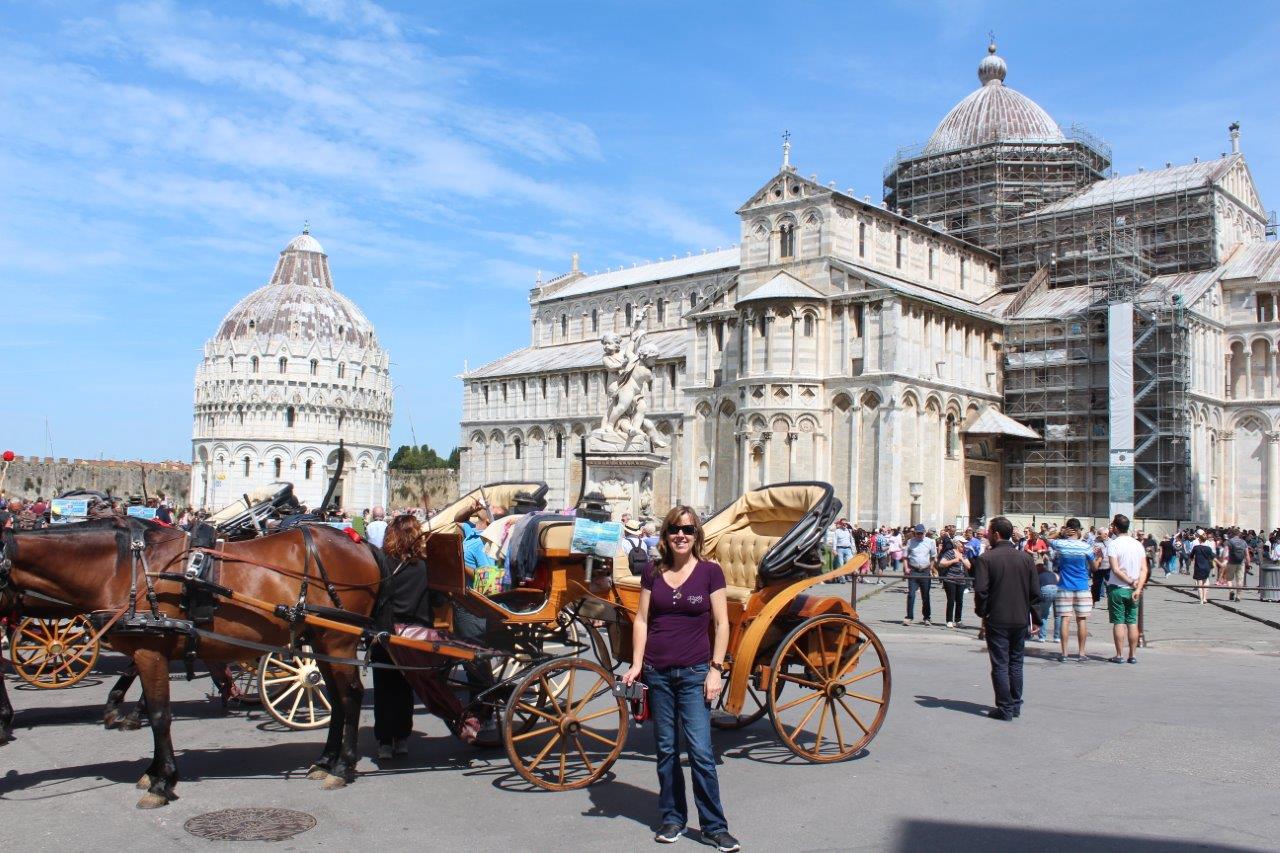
(1078, 600)
(1231, 574)
(1122, 607)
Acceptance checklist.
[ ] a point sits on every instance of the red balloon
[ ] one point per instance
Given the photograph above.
(8, 456)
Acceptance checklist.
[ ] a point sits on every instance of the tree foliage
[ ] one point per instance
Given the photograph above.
(410, 458)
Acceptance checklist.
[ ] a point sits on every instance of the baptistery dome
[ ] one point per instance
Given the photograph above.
(994, 113)
(293, 368)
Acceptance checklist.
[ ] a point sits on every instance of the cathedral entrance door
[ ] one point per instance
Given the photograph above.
(977, 498)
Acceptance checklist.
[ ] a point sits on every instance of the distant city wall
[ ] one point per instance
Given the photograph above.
(34, 476)
(440, 485)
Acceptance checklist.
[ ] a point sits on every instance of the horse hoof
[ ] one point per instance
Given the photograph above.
(317, 773)
(152, 801)
(130, 725)
(144, 783)
(333, 783)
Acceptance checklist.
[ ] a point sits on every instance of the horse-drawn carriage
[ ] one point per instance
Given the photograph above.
(554, 638)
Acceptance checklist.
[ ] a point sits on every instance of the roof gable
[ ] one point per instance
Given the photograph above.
(783, 285)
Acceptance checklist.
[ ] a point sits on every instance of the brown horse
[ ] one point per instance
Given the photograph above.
(91, 567)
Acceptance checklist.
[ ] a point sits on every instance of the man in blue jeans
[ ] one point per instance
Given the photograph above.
(922, 554)
(1006, 594)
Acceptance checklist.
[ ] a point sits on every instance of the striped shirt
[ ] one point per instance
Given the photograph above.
(1073, 559)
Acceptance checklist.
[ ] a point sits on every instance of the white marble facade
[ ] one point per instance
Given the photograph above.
(293, 367)
(839, 341)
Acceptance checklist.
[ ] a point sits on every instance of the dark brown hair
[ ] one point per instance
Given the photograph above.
(665, 556)
(403, 539)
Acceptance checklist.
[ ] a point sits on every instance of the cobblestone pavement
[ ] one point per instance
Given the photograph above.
(1176, 753)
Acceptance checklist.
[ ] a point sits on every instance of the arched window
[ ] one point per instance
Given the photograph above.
(862, 239)
(662, 310)
(762, 325)
(231, 362)
(586, 382)
(341, 417)
(628, 313)
(342, 370)
(693, 299)
(564, 325)
(315, 366)
(808, 325)
(517, 445)
(284, 364)
(240, 413)
(931, 262)
(246, 466)
(787, 240)
(289, 416)
(253, 364)
(278, 466)
(953, 438)
(253, 324)
(306, 470)
(559, 445)
(899, 252)
(595, 320)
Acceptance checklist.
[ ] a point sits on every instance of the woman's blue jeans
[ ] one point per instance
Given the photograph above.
(1049, 622)
(677, 701)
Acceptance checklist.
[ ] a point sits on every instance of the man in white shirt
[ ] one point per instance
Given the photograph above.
(377, 528)
(1128, 561)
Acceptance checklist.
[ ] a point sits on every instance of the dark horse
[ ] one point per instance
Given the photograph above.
(90, 566)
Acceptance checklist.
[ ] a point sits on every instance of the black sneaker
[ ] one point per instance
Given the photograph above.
(669, 833)
(724, 842)
(997, 714)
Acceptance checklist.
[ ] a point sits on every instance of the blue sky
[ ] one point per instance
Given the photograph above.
(156, 156)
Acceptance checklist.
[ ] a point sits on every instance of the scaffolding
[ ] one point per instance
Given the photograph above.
(978, 193)
(1073, 247)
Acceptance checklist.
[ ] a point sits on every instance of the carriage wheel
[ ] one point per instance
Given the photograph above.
(576, 632)
(293, 691)
(837, 679)
(50, 653)
(244, 678)
(578, 733)
(754, 706)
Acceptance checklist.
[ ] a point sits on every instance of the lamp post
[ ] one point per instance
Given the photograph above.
(916, 489)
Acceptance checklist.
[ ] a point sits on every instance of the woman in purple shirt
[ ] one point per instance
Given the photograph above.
(680, 597)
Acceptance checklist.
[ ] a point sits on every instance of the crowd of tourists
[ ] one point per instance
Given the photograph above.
(1073, 565)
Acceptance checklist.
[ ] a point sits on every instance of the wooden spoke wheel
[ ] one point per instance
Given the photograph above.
(754, 706)
(836, 677)
(51, 653)
(578, 732)
(292, 690)
(244, 679)
(577, 633)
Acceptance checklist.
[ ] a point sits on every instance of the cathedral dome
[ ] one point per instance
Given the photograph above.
(299, 304)
(994, 113)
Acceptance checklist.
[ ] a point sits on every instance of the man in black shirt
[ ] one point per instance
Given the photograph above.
(1006, 592)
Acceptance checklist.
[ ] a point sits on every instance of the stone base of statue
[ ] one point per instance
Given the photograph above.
(622, 471)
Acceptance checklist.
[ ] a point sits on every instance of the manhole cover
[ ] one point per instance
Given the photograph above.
(250, 824)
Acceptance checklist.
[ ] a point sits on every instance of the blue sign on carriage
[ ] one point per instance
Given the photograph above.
(146, 512)
(597, 538)
(67, 510)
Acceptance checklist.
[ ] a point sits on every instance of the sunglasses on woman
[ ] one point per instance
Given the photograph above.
(686, 529)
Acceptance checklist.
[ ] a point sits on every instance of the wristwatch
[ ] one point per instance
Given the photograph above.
(718, 667)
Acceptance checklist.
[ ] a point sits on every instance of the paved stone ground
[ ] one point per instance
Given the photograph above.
(1175, 753)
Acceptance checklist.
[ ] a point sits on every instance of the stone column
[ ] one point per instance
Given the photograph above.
(792, 437)
(1228, 477)
(744, 443)
(1273, 480)
(1226, 385)
(766, 460)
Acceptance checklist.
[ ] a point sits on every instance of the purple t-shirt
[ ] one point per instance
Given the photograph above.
(680, 628)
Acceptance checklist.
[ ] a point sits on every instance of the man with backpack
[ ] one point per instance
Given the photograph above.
(1237, 563)
(633, 544)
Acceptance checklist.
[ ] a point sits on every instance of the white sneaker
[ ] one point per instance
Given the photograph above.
(951, 624)
(906, 621)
